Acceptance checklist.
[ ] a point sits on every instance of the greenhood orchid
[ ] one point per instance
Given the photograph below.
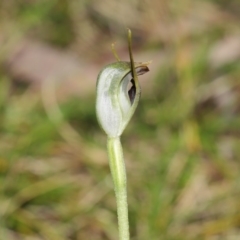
(115, 105)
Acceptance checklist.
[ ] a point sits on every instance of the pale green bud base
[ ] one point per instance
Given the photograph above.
(118, 171)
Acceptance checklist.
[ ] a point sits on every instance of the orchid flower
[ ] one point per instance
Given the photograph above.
(115, 106)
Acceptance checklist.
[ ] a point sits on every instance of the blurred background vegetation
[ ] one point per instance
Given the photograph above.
(182, 147)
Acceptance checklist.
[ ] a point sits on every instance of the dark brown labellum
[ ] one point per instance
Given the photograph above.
(132, 92)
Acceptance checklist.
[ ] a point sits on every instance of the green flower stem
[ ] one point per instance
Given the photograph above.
(118, 171)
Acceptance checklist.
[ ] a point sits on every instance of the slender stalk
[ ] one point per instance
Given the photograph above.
(118, 171)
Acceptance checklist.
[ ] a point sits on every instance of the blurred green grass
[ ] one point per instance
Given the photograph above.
(181, 148)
